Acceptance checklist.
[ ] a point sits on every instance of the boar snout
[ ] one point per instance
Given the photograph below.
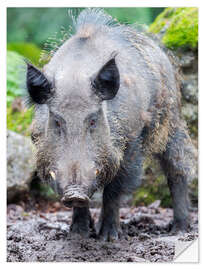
(75, 196)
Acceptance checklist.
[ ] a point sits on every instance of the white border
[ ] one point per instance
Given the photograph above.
(3, 134)
(101, 3)
(76, 3)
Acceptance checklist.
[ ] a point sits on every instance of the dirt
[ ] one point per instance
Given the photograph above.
(41, 233)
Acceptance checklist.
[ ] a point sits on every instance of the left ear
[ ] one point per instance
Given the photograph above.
(107, 81)
(38, 86)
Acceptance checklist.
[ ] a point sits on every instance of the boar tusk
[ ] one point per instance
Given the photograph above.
(53, 175)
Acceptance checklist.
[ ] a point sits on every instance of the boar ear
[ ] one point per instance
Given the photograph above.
(107, 81)
(38, 86)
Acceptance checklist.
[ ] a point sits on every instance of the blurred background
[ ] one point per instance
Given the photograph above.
(30, 30)
(35, 25)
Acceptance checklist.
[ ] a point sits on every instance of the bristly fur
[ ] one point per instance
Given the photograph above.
(140, 117)
(93, 16)
(80, 24)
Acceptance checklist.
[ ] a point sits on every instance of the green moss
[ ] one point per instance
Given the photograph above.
(159, 22)
(181, 27)
(19, 121)
(28, 50)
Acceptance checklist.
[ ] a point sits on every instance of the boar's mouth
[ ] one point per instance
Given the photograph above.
(75, 196)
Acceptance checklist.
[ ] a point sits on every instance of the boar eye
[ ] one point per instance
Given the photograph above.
(92, 122)
(58, 122)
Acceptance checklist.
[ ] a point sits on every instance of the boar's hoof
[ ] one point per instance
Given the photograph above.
(84, 229)
(181, 226)
(80, 229)
(109, 232)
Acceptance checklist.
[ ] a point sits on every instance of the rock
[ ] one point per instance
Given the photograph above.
(187, 59)
(144, 236)
(20, 164)
(190, 112)
(189, 89)
(177, 29)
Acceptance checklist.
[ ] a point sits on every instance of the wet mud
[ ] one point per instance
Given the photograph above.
(41, 234)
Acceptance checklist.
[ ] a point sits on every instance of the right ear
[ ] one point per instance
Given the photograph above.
(39, 88)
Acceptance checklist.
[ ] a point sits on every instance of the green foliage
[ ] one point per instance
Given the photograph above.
(15, 65)
(154, 186)
(36, 25)
(181, 27)
(28, 50)
(132, 15)
(45, 191)
(19, 121)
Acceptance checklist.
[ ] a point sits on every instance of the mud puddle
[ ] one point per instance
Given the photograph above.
(43, 235)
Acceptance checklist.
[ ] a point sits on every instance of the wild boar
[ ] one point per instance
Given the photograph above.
(108, 98)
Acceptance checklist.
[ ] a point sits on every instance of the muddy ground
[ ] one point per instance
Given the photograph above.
(40, 232)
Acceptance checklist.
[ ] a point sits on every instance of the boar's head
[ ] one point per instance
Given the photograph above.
(71, 129)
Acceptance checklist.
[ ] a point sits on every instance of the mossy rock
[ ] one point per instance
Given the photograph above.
(180, 27)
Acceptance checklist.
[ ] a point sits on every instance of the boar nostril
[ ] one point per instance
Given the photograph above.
(75, 203)
(75, 197)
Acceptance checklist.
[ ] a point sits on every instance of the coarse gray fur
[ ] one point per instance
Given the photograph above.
(143, 118)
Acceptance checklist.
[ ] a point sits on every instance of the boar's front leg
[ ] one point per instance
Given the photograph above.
(126, 181)
(109, 217)
(82, 222)
(178, 162)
